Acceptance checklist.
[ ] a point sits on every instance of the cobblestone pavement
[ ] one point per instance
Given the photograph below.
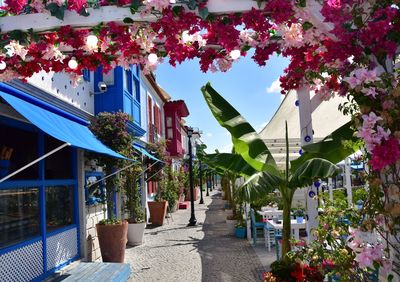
(206, 252)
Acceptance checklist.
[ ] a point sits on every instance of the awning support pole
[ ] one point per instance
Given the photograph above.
(154, 174)
(35, 161)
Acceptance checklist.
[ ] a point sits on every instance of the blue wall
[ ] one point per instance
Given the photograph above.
(123, 95)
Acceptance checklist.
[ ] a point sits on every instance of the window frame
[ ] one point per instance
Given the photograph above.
(42, 183)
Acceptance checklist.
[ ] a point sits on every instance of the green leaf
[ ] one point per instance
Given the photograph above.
(192, 4)
(84, 12)
(233, 163)
(332, 148)
(56, 11)
(203, 13)
(307, 26)
(245, 139)
(258, 185)
(18, 35)
(177, 10)
(310, 170)
(135, 5)
(128, 20)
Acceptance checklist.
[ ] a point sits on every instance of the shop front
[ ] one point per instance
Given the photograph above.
(39, 205)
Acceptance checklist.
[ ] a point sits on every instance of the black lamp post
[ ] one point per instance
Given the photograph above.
(201, 183)
(192, 220)
(213, 179)
(208, 182)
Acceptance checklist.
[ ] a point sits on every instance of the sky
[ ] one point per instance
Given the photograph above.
(254, 91)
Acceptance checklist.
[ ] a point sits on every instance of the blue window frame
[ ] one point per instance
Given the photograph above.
(86, 75)
(43, 202)
(94, 194)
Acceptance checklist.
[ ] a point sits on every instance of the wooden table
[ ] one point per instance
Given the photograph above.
(294, 226)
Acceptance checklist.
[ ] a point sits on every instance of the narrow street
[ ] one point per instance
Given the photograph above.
(206, 252)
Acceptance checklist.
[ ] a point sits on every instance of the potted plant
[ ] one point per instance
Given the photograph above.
(133, 207)
(299, 214)
(158, 207)
(240, 227)
(231, 222)
(111, 129)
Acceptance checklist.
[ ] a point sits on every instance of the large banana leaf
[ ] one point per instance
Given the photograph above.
(259, 185)
(331, 148)
(245, 139)
(311, 170)
(231, 162)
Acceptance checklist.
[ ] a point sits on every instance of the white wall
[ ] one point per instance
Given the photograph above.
(60, 86)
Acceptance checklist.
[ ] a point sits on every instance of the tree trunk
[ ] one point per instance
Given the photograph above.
(286, 230)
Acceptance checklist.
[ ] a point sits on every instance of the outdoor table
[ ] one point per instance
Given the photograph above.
(270, 213)
(294, 226)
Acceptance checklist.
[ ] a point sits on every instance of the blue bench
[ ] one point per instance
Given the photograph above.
(96, 272)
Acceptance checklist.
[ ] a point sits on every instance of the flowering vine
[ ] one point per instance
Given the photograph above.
(336, 47)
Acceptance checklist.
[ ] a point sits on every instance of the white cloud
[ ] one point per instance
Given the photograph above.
(274, 87)
(209, 134)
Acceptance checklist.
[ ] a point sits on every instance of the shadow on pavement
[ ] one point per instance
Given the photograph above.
(224, 257)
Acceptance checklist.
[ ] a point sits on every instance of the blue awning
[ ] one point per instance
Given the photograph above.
(59, 127)
(142, 150)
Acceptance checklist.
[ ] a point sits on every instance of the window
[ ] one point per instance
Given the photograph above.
(86, 75)
(169, 121)
(59, 164)
(19, 215)
(108, 78)
(127, 80)
(59, 206)
(170, 133)
(19, 147)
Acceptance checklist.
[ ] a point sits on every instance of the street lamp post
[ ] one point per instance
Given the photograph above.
(192, 220)
(208, 182)
(201, 183)
(210, 178)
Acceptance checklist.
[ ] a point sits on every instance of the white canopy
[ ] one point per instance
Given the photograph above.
(326, 118)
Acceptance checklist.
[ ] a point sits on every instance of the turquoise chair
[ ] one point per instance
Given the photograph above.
(257, 227)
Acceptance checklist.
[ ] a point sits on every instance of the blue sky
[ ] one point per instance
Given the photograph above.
(252, 90)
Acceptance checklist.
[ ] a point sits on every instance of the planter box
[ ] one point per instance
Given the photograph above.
(196, 194)
(240, 232)
(112, 240)
(158, 211)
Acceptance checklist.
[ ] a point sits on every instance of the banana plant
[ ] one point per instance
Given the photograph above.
(267, 175)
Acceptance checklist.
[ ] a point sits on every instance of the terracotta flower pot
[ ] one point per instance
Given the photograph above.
(112, 240)
(158, 211)
(196, 194)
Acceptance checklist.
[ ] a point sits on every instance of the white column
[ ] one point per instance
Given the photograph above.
(80, 171)
(347, 172)
(248, 220)
(305, 111)
(330, 188)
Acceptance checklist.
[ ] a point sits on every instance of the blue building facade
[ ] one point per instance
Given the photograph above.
(122, 94)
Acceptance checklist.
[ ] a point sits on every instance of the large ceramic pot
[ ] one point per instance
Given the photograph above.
(112, 240)
(135, 233)
(196, 194)
(158, 211)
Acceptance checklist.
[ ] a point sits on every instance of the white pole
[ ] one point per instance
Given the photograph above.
(305, 111)
(330, 188)
(347, 171)
(35, 161)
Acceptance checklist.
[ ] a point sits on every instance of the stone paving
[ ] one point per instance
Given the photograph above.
(206, 252)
